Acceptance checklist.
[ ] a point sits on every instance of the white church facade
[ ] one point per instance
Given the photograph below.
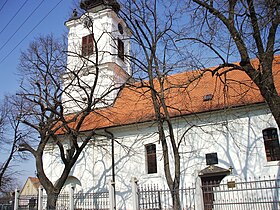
(221, 134)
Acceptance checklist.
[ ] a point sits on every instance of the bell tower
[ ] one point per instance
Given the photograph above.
(98, 48)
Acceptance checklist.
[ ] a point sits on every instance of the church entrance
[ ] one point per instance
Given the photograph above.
(211, 177)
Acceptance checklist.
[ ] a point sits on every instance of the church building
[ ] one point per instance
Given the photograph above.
(220, 133)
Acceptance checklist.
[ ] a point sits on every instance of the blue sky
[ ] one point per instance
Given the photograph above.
(21, 21)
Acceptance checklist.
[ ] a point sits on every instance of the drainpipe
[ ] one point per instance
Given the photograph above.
(111, 136)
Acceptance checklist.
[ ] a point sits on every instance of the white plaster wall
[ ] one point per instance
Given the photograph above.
(235, 134)
(75, 95)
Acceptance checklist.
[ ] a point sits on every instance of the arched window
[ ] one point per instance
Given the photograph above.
(120, 49)
(271, 144)
(151, 158)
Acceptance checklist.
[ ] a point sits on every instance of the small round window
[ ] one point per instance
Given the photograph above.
(120, 28)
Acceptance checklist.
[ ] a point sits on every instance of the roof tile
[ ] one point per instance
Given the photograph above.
(183, 97)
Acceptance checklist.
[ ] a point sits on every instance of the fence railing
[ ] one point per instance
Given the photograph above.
(81, 201)
(6, 203)
(152, 197)
(99, 200)
(69, 201)
(255, 194)
(62, 203)
(27, 202)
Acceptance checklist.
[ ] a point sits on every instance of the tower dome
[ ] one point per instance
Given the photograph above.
(89, 4)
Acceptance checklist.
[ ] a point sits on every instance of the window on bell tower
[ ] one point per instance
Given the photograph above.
(120, 49)
(87, 45)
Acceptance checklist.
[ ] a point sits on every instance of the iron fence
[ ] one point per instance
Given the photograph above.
(153, 198)
(27, 202)
(6, 203)
(62, 202)
(90, 201)
(255, 194)
(82, 201)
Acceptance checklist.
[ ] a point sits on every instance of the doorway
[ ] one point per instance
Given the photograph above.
(211, 177)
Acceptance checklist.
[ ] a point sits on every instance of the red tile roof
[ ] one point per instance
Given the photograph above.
(35, 181)
(183, 97)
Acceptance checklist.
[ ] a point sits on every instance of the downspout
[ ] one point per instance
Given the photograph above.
(111, 136)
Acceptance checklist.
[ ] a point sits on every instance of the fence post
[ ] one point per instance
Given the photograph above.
(16, 201)
(40, 198)
(134, 187)
(111, 185)
(71, 197)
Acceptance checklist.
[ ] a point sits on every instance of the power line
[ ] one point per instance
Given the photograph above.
(13, 17)
(3, 5)
(30, 31)
(21, 25)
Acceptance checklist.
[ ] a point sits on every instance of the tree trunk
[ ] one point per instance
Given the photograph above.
(273, 102)
(51, 200)
(176, 199)
(174, 187)
(266, 84)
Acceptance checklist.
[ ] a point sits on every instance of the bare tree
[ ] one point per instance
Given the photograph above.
(12, 134)
(155, 26)
(240, 30)
(47, 90)
(227, 28)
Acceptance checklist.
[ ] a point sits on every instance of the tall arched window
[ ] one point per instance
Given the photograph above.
(271, 144)
(151, 158)
(120, 49)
